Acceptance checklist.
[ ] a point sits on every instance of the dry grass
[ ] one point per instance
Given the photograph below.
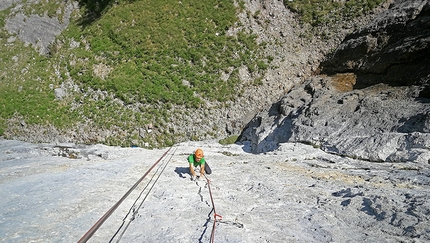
(344, 82)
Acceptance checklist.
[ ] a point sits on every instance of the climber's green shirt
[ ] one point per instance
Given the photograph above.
(192, 159)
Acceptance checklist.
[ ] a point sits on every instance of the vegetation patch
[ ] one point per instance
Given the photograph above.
(164, 51)
(322, 12)
(229, 140)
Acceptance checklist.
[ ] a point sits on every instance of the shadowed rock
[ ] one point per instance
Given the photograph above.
(393, 49)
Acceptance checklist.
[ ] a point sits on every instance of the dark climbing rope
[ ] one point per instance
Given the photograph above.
(99, 223)
(214, 210)
(133, 209)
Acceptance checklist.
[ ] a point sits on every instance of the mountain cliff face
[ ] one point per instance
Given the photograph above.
(370, 100)
(392, 49)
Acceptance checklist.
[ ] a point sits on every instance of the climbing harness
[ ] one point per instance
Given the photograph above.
(97, 225)
(213, 206)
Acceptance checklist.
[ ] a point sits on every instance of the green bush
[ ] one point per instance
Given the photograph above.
(322, 12)
(228, 140)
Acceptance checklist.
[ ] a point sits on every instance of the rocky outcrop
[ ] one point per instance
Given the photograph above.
(4, 4)
(388, 119)
(393, 49)
(40, 31)
(379, 123)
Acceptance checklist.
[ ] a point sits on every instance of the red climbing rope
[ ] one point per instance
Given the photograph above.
(97, 225)
(215, 214)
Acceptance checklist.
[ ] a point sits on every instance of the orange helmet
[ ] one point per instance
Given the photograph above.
(199, 153)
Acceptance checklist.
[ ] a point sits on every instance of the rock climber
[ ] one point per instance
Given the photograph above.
(195, 160)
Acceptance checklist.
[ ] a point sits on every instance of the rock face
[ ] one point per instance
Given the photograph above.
(296, 194)
(383, 121)
(40, 31)
(393, 48)
(379, 123)
(4, 4)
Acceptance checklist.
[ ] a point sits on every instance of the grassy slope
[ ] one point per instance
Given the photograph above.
(152, 46)
(153, 53)
(24, 82)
